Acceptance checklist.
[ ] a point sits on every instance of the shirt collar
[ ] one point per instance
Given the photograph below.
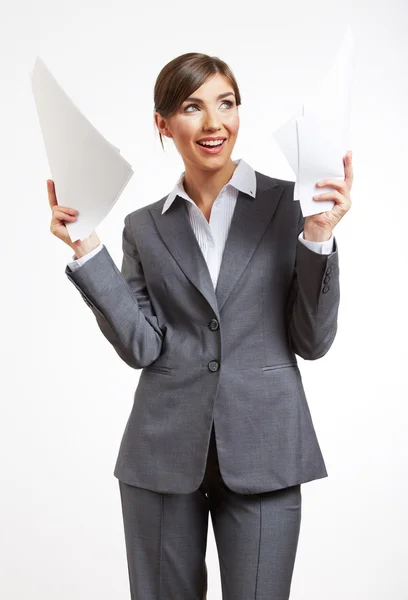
(243, 179)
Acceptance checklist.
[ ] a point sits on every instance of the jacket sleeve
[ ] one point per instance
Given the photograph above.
(120, 302)
(313, 300)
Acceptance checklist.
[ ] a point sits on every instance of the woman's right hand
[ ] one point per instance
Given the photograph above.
(59, 215)
(58, 228)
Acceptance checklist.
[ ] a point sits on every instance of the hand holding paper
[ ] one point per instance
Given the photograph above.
(88, 171)
(319, 227)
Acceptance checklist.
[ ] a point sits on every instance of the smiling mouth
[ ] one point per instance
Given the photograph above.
(211, 145)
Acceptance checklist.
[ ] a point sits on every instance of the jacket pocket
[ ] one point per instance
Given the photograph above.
(281, 366)
(158, 369)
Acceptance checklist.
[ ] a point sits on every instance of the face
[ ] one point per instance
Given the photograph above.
(211, 111)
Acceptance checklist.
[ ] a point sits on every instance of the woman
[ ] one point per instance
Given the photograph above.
(222, 283)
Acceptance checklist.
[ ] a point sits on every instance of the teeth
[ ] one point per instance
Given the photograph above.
(216, 143)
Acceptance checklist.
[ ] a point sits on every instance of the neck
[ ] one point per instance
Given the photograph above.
(203, 187)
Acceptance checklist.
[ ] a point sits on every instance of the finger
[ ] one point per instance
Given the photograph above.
(67, 209)
(339, 184)
(334, 195)
(61, 216)
(348, 169)
(52, 199)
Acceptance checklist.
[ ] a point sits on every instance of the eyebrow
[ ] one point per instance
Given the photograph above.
(218, 97)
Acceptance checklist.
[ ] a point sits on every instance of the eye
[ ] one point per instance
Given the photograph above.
(188, 106)
(228, 102)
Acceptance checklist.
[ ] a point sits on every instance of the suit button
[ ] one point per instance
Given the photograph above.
(214, 365)
(329, 270)
(326, 289)
(214, 325)
(327, 279)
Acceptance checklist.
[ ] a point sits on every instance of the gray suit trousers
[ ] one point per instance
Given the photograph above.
(166, 539)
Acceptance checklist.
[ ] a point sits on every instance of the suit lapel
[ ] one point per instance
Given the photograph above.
(249, 221)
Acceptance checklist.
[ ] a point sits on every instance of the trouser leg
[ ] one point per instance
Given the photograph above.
(166, 540)
(257, 538)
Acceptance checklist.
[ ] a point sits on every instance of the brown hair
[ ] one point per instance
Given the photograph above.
(182, 76)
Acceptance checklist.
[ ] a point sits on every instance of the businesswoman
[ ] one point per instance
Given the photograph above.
(223, 282)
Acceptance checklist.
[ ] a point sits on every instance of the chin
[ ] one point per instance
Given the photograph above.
(215, 164)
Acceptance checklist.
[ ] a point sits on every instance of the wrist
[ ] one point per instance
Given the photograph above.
(80, 252)
(316, 235)
(86, 245)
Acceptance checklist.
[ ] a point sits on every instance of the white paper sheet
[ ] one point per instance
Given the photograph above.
(88, 171)
(316, 138)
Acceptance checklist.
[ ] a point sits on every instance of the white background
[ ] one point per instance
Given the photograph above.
(66, 395)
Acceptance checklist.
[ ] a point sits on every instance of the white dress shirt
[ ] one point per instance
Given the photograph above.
(212, 235)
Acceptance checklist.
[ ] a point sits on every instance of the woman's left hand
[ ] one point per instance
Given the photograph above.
(319, 227)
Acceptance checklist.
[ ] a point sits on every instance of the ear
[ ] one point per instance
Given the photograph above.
(162, 125)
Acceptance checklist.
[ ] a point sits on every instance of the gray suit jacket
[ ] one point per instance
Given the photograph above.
(227, 355)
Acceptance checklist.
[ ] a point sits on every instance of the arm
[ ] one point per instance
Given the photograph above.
(313, 299)
(120, 302)
(325, 247)
(77, 262)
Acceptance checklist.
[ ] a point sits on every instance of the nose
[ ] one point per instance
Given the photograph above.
(212, 120)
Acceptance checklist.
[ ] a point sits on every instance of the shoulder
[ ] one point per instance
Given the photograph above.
(283, 189)
(267, 181)
(142, 214)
